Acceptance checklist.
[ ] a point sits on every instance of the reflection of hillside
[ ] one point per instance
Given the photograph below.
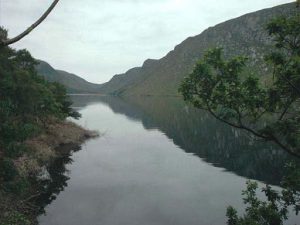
(197, 132)
(83, 100)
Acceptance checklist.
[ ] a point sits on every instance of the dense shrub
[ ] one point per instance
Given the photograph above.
(7, 169)
(15, 218)
(27, 103)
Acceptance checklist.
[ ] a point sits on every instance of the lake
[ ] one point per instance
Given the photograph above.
(157, 162)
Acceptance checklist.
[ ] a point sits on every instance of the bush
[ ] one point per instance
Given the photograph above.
(18, 186)
(15, 150)
(7, 169)
(16, 218)
(27, 103)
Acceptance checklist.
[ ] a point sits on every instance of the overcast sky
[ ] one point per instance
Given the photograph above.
(97, 39)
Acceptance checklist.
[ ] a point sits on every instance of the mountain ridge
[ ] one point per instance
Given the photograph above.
(244, 35)
(72, 82)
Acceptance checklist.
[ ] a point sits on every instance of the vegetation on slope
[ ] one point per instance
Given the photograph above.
(72, 82)
(32, 114)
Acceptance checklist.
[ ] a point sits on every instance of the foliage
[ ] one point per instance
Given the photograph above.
(64, 101)
(275, 209)
(267, 110)
(7, 170)
(18, 186)
(27, 103)
(16, 218)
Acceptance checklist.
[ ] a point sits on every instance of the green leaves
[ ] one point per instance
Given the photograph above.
(217, 84)
(274, 210)
(7, 169)
(27, 102)
(286, 32)
(269, 110)
(16, 218)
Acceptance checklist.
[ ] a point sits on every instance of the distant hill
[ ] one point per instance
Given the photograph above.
(73, 83)
(241, 36)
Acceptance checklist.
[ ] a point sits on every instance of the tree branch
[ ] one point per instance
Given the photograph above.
(29, 29)
(285, 109)
(291, 84)
(269, 137)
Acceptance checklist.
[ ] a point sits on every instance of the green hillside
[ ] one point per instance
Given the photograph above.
(73, 83)
(241, 36)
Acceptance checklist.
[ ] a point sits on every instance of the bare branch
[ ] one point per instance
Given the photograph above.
(29, 29)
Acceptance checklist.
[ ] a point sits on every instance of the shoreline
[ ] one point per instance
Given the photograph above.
(58, 139)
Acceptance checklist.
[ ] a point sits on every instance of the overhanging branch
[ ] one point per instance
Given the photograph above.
(31, 28)
(270, 137)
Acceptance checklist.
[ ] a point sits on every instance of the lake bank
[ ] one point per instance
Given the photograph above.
(17, 205)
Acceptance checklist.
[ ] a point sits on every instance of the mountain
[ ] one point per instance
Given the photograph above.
(73, 83)
(241, 36)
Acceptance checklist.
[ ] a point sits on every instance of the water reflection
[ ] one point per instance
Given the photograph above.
(139, 173)
(197, 132)
(56, 179)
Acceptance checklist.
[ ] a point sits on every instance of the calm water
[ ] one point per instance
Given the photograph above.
(159, 162)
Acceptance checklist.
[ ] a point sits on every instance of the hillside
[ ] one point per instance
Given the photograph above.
(73, 83)
(241, 36)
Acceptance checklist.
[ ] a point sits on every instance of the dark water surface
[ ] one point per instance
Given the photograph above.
(159, 162)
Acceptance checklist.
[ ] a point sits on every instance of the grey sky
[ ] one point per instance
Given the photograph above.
(97, 39)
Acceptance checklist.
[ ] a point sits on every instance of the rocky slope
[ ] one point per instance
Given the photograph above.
(241, 36)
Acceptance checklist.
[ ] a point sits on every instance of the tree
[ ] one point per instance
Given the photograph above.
(274, 210)
(269, 111)
(5, 41)
(28, 104)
